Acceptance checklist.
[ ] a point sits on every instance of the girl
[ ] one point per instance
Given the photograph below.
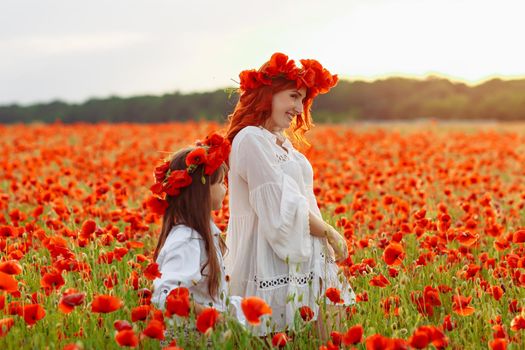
(280, 249)
(189, 250)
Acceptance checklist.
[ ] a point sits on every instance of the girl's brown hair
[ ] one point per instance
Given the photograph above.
(192, 207)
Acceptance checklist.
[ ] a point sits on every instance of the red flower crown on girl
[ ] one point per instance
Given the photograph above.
(312, 75)
(210, 153)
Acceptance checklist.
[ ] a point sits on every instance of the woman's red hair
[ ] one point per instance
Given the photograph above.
(255, 107)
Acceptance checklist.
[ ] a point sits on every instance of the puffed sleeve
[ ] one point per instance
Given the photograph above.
(179, 266)
(281, 209)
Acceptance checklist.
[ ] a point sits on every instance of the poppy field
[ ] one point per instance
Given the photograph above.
(433, 215)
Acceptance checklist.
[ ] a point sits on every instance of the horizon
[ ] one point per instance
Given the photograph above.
(59, 54)
(359, 79)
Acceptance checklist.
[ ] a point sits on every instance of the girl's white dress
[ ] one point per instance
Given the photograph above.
(180, 262)
(271, 253)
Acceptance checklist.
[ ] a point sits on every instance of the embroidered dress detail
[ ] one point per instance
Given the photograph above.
(282, 157)
(284, 280)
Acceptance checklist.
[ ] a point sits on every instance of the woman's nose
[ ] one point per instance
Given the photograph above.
(298, 108)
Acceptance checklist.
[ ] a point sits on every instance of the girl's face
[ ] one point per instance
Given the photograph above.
(217, 193)
(286, 105)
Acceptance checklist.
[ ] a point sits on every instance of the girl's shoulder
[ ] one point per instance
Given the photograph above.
(181, 234)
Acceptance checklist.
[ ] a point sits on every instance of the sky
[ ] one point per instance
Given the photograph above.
(75, 50)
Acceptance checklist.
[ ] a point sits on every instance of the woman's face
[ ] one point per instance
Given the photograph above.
(217, 193)
(286, 105)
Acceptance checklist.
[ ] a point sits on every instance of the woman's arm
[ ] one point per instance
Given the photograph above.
(320, 228)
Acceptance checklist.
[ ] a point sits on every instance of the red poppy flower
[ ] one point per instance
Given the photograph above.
(216, 157)
(431, 296)
(5, 325)
(144, 294)
(177, 180)
(517, 323)
(499, 331)
(178, 302)
(307, 78)
(121, 325)
(334, 295)
(392, 272)
(377, 342)
(420, 339)
(52, 280)
(8, 283)
(498, 344)
(353, 335)
(496, 292)
(460, 305)
(467, 238)
(70, 300)
(14, 308)
(306, 313)
(88, 227)
(336, 337)
(519, 236)
(253, 308)
(279, 340)
(448, 324)
(157, 188)
(279, 63)
(72, 346)
(250, 79)
(152, 272)
(154, 329)
(379, 281)
(140, 313)
(394, 254)
(161, 171)
(106, 304)
(196, 157)
(207, 319)
(11, 267)
(127, 337)
(111, 280)
(155, 204)
(33, 313)
(213, 140)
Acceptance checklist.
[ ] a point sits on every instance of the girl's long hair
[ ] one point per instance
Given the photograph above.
(192, 207)
(255, 107)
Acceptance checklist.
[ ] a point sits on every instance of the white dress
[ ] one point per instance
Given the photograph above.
(180, 262)
(271, 253)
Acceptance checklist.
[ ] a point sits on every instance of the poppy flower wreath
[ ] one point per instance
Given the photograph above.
(210, 153)
(312, 75)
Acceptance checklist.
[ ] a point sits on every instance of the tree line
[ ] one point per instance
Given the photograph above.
(386, 99)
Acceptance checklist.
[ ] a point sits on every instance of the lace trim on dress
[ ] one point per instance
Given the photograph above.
(283, 280)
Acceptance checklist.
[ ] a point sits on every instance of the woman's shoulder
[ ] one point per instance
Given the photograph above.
(250, 133)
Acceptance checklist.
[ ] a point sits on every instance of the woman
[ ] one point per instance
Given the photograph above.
(280, 249)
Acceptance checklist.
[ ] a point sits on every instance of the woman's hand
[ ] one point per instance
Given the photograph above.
(338, 244)
(320, 228)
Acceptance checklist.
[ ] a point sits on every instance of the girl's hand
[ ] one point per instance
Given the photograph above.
(338, 243)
